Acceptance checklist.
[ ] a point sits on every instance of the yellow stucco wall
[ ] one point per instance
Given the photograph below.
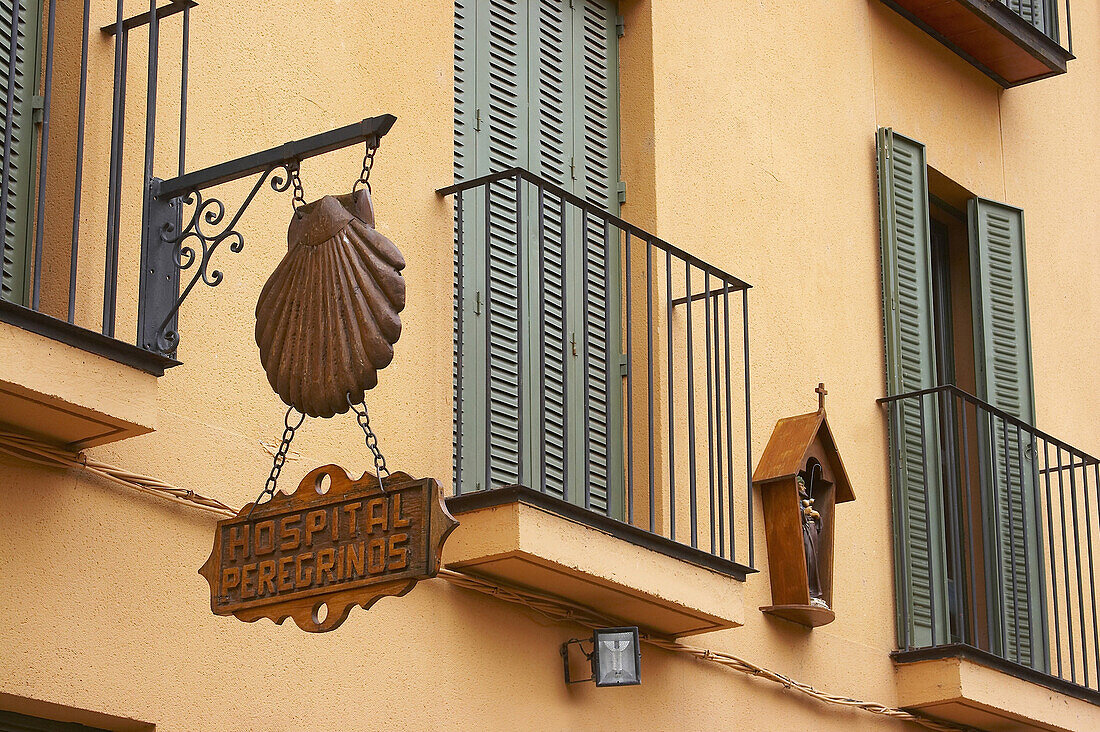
(748, 139)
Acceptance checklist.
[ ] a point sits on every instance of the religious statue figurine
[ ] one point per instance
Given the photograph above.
(811, 531)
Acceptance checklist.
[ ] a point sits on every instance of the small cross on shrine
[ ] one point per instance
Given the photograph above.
(821, 392)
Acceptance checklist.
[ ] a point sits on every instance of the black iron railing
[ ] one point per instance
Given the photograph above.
(49, 172)
(599, 364)
(998, 535)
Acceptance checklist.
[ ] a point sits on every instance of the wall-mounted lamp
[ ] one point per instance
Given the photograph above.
(616, 657)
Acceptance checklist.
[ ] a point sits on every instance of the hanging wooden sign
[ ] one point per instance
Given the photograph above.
(314, 555)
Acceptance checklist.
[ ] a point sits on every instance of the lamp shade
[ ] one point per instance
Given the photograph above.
(616, 658)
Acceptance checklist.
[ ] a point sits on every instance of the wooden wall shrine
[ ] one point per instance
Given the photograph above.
(800, 447)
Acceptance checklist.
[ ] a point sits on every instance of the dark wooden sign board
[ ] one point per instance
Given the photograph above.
(312, 556)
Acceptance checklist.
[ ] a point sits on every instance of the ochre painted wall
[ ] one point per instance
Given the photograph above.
(748, 135)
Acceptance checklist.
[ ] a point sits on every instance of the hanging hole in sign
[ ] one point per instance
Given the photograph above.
(322, 483)
(320, 613)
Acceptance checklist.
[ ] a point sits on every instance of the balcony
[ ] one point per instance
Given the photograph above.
(1011, 41)
(75, 267)
(997, 528)
(601, 376)
(75, 274)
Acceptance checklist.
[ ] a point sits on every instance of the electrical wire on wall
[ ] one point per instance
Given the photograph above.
(554, 608)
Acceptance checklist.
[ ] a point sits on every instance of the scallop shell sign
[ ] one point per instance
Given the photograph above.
(328, 316)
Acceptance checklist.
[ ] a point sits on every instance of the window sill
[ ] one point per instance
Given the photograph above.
(988, 35)
(66, 395)
(962, 684)
(526, 538)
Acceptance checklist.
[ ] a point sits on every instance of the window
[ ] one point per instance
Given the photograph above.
(18, 185)
(536, 87)
(969, 567)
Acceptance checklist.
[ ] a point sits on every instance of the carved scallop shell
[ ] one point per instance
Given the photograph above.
(327, 318)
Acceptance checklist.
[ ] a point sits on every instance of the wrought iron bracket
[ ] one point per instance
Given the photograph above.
(173, 241)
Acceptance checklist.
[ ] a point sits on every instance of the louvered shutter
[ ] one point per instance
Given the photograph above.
(911, 366)
(22, 48)
(1035, 12)
(531, 93)
(552, 119)
(1002, 349)
(596, 149)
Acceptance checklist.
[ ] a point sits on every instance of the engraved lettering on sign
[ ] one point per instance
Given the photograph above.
(324, 547)
(351, 545)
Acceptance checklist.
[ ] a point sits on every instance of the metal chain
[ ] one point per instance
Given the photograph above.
(363, 418)
(368, 163)
(280, 459)
(299, 198)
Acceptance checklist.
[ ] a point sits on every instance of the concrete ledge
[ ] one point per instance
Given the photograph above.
(966, 692)
(534, 547)
(68, 396)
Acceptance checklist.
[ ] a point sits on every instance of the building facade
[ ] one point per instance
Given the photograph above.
(636, 236)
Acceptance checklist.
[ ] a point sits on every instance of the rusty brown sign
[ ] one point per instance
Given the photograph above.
(314, 555)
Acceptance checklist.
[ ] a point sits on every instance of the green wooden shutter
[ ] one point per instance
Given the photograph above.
(910, 366)
(552, 118)
(14, 275)
(503, 64)
(536, 87)
(596, 111)
(1002, 349)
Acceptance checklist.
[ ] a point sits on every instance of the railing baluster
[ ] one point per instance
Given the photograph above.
(585, 378)
(998, 534)
(114, 187)
(488, 337)
(748, 424)
(79, 174)
(651, 413)
(540, 252)
(928, 529)
(718, 457)
(897, 416)
(970, 635)
(1065, 563)
(629, 387)
(521, 306)
(693, 510)
(1077, 561)
(186, 44)
(151, 89)
(950, 428)
(1053, 557)
(1092, 576)
(611, 375)
(671, 402)
(44, 154)
(565, 355)
(1092, 573)
(460, 315)
(712, 498)
(1015, 610)
(729, 433)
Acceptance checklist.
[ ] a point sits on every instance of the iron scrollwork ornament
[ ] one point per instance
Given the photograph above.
(195, 242)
